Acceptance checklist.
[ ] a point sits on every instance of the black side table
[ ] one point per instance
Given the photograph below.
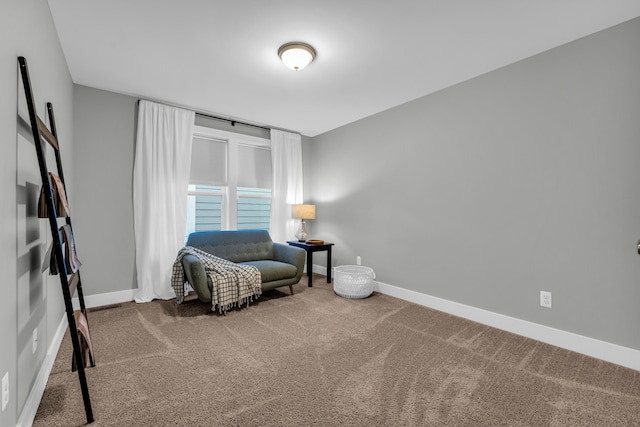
(311, 248)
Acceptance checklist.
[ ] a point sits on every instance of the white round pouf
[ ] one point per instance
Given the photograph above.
(353, 281)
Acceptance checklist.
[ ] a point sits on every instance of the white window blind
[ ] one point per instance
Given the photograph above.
(208, 162)
(254, 166)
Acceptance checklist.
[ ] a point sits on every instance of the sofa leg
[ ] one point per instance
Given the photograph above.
(291, 289)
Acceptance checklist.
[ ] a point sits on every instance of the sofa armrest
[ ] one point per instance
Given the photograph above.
(196, 276)
(290, 255)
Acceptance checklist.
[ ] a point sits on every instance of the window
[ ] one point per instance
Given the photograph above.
(230, 182)
(254, 208)
(204, 208)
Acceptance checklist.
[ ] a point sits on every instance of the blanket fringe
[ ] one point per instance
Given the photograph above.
(246, 300)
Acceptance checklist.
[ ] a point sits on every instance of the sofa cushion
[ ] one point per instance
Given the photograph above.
(236, 245)
(273, 270)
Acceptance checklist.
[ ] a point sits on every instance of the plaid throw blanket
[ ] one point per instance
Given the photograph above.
(233, 284)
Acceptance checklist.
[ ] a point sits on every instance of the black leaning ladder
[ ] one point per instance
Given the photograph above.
(73, 283)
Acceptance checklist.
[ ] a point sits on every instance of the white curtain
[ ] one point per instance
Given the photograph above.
(286, 162)
(160, 185)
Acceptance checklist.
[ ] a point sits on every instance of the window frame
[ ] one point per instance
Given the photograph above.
(230, 190)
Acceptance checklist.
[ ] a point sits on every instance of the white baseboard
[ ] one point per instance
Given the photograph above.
(28, 413)
(105, 299)
(603, 350)
(320, 269)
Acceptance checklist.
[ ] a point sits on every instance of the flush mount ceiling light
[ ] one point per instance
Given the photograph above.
(296, 55)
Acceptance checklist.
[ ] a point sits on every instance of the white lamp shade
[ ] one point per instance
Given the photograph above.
(303, 211)
(296, 56)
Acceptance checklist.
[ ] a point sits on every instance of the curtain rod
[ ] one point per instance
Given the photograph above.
(211, 116)
(233, 122)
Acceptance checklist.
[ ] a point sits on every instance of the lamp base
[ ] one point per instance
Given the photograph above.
(302, 234)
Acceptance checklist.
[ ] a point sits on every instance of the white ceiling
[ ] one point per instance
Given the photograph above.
(220, 56)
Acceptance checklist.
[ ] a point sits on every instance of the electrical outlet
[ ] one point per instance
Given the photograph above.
(35, 340)
(358, 260)
(5, 391)
(545, 299)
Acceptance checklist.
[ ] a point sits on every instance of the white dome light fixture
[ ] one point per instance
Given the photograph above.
(296, 55)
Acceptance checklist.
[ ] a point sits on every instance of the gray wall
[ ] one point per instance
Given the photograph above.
(29, 299)
(104, 131)
(523, 179)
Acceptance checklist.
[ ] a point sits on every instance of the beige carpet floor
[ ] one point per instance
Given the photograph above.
(315, 359)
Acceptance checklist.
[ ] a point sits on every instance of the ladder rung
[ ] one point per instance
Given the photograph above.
(46, 134)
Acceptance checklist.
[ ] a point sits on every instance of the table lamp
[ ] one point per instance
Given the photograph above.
(303, 212)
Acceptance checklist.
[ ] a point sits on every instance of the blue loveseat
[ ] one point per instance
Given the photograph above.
(279, 264)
